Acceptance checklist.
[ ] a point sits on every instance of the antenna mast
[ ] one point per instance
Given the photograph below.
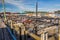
(4, 9)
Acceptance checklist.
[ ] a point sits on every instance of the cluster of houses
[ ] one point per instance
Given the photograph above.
(48, 14)
(30, 13)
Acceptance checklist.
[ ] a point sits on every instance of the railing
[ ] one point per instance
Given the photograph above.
(44, 33)
(13, 37)
(23, 31)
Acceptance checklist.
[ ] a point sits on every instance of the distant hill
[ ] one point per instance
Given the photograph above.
(35, 12)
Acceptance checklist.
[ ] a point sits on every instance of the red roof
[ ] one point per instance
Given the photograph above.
(28, 21)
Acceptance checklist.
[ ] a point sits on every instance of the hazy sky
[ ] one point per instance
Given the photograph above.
(29, 5)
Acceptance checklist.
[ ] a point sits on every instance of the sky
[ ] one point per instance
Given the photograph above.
(30, 5)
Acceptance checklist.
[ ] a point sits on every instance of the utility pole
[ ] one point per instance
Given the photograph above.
(36, 18)
(36, 9)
